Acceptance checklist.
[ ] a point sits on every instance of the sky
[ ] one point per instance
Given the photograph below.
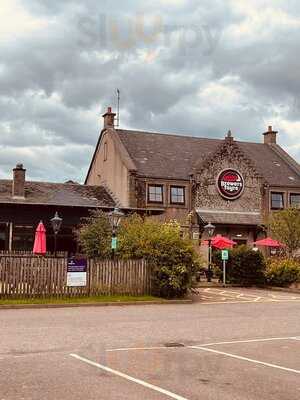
(189, 67)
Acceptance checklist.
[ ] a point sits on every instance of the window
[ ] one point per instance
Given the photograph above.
(105, 151)
(177, 195)
(155, 193)
(295, 200)
(23, 237)
(277, 202)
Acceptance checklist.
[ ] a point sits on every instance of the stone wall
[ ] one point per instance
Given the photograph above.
(205, 191)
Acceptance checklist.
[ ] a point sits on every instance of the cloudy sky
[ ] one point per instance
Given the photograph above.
(195, 67)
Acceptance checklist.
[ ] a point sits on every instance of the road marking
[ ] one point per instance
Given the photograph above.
(243, 341)
(129, 378)
(139, 348)
(204, 344)
(246, 359)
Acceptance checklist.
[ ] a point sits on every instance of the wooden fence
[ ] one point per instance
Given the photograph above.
(30, 277)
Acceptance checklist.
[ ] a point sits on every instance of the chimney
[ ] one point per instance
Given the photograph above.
(18, 186)
(270, 137)
(109, 119)
(229, 137)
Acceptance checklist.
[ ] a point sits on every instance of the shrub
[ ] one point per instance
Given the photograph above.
(244, 267)
(282, 272)
(172, 258)
(94, 235)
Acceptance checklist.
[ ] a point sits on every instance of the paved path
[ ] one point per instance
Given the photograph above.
(223, 350)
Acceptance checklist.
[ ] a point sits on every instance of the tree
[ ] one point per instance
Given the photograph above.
(94, 235)
(172, 257)
(285, 227)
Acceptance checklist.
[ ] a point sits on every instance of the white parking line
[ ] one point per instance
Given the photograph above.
(129, 378)
(139, 348)
(245, 359)
(244, 341)
(204, 344)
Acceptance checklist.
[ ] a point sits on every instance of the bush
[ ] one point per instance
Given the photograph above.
(94, 235)
(282, 272)
(172, 258)
(244, 267)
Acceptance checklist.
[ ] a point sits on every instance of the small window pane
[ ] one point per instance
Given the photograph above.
(105, 151)
(155, 194)
(177, 195)
(277, 201)
(295, 200)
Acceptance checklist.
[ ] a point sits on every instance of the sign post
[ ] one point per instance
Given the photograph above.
(225, 257)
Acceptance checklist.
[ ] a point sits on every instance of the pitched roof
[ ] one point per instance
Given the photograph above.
(59, 194)
(172, 156)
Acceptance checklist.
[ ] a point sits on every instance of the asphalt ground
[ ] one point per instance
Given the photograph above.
(224, 350)
(237, 295)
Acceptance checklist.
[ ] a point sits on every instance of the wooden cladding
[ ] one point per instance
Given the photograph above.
(33, 277)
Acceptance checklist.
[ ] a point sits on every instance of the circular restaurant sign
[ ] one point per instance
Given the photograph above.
(230, 184)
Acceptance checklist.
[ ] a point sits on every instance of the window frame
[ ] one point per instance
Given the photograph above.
(271, 200)
(177, 202)
(156, 185)
(290, 199)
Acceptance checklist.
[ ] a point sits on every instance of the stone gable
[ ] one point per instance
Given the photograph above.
(228, 156)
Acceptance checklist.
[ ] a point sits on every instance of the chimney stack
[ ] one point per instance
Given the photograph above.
(18, 186)
(270, 137)
(229, 138)
(109, 119)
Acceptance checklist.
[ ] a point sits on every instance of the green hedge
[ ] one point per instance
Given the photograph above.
(244, 267)
(282, 272)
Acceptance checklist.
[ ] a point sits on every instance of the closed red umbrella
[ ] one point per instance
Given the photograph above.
(269, 242)
(39, 246)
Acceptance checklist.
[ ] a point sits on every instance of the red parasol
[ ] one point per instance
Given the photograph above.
(39, 246)
(269, 242)
(221, 242)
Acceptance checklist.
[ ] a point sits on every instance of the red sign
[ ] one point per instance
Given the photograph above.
(230, 184)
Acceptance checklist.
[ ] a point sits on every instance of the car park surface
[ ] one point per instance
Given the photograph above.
(205, 350)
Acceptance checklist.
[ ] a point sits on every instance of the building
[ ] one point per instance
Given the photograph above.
(233, 184)
(23, 204)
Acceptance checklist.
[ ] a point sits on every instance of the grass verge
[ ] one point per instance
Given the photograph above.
(68, 300)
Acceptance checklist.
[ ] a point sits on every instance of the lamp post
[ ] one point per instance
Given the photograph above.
(56, 222)
(115, 217)
(209, 229)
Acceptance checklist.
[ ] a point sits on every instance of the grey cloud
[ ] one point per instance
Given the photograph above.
(55, 82)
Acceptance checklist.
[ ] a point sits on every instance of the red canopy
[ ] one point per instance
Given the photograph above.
(268, 242)
(39, 246)
(221, 242)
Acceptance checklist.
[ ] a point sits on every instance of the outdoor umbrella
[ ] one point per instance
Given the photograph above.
(40, 240)
(268, 242)
(221, 242)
